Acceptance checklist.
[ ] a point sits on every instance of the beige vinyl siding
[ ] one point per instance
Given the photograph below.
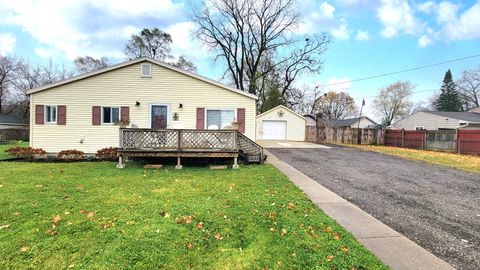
(123, 87)
(427, 121)
(295, 124)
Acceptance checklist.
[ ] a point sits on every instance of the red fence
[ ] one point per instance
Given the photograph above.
(468, 142)
(464, 142)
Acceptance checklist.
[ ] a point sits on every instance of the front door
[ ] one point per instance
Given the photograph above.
(159, 115)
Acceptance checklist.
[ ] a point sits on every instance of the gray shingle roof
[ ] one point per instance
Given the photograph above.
(10, 119)
(464, 116)
(343, 122)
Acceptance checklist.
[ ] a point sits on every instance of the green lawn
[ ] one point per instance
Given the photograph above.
(4, 147)
(457, 161)
(90, 215)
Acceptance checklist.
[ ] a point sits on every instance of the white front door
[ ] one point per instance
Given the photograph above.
(274, 130)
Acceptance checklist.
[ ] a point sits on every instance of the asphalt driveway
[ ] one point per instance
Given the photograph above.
(436, 207)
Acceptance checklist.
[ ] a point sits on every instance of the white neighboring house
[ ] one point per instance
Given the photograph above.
(311, 121)
(280, 123)
(358, 122)
(10, 121)
(430, 120)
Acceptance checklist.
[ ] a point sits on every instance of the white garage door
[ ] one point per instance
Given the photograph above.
(274, 130)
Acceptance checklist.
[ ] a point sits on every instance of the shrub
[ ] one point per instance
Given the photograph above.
(25, 152)
(71, 155)
(108, 153)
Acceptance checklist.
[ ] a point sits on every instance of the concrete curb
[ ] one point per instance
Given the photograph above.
(388, 245)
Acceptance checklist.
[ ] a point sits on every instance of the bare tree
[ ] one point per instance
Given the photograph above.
(243, 33)
(333, 105)
(88, 64)
(153, 43)
(8, 67)
(469, 88)
(184, 64)
(393, 101)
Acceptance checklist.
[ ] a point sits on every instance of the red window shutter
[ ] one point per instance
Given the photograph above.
(96, 115)
(39, 114)
(200, 118)
(241, 119)
(125, 114)
(62, 115)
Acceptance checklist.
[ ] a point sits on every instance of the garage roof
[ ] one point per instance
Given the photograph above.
(283, 107)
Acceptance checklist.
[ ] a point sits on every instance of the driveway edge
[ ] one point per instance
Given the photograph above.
(388, 245)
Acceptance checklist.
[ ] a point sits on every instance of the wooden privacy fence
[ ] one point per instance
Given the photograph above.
(14, 134)
(461, 141)
(345, 135)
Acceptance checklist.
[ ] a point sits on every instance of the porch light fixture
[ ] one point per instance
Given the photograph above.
(180, 105)
(137, 103)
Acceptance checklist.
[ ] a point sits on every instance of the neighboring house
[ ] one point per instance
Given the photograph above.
(437, 120)
(311, 121)
(280, 123)
(84, 112)
(10, 121)
(358, 122)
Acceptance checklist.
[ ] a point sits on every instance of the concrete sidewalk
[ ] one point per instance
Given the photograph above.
(391, 247)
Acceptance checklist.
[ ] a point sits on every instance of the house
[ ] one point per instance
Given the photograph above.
(430, 120)
(86, 112)
(358, 122)
(311, 120)
(11, 121)
(280, 123)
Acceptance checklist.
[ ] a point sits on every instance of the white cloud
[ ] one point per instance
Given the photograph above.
(424, 41)
(397, 17)
(86, 27)
(446, 11)
(7, 43)
(185, 43)
(427, 7)
(362, 36)
(464, 26)
(322, 17)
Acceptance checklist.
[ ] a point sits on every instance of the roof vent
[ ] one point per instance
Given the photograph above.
(146, 70)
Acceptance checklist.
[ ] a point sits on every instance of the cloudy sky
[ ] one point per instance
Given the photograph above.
(371, 37)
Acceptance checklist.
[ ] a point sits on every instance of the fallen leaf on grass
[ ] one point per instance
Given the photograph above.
(81, 211)
(56, 219)
(24, 249)
(66, 197)
(50, 232)
(91, 214)
(291, 205)
(200, 225)
(187, 219)
(130, 222)
(330, 258)
(272, 215)
(39, 186)
(189, 245)
(107, 225)
(284, 232)
(164, 214)
(4, 226)
(336, 236)
(328, 229)
(344, 250)
(218, 236)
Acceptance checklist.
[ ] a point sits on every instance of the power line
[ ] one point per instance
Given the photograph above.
(413, 92)
(402, 71)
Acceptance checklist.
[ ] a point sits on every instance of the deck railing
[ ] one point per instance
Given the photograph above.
(178, 139)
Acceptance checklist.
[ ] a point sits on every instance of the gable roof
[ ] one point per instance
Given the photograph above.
(464, 116)
(10, 119)
(282, 107)
(345, 122)
(135, 61)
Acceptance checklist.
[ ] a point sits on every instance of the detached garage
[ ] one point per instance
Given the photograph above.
(280, 123)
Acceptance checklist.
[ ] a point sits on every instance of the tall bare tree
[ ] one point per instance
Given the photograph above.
(88, 64)
(333, 105)
(469, 88)
(156, 44)
(8, 67)
(393, 101)
(243, 33)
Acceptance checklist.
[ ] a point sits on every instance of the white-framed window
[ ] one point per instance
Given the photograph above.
(50, 114)
(146, 70)
(419, 128)
(110, 115)
(219, 119)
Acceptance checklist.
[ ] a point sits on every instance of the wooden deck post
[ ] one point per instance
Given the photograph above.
(235, 163)
(121, 162)
(179, 164)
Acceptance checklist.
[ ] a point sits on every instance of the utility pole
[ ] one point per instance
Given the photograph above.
(359, 133)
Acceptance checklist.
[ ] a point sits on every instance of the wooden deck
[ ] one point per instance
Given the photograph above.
(135, 142)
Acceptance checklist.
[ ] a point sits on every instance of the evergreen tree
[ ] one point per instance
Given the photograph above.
(273, 99)
(449, 99)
